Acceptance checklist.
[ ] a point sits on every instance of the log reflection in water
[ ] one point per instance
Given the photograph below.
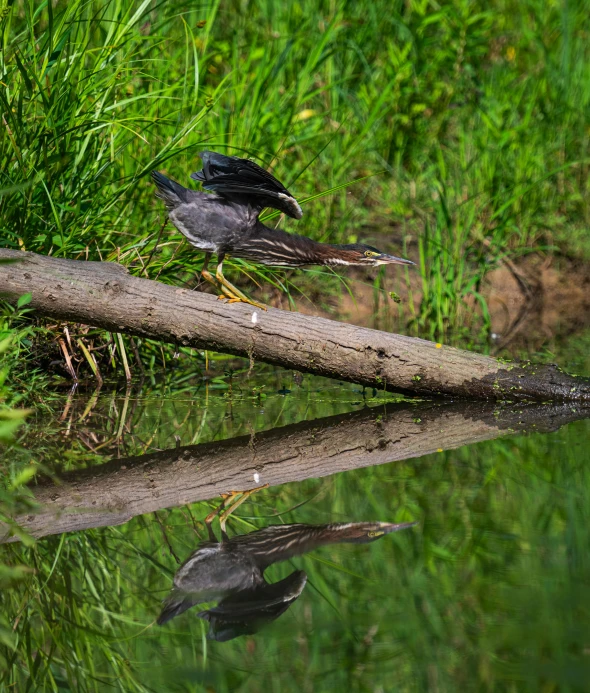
(115, 492)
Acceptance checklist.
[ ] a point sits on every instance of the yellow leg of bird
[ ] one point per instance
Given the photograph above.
(207, 276)
(231, 497)
(211, 516)
(235, 499)
(231, 292)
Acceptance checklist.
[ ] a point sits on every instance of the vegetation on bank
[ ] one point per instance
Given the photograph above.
(464, 124)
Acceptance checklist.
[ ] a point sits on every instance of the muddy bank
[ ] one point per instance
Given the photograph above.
(530, 302)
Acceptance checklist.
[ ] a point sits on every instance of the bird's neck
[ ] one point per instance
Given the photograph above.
(275, 247)
(280, 542)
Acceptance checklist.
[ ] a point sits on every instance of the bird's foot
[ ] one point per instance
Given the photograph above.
(230, 495)
(232, 293)
(233, 300)
(229, 502)
(239, 297)
(234, 499)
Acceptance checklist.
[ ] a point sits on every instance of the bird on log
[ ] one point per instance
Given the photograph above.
(226, 222)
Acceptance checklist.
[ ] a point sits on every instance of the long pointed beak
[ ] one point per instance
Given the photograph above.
(388, 527)
(385, 259)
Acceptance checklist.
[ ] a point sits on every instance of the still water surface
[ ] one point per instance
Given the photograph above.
(489, 590)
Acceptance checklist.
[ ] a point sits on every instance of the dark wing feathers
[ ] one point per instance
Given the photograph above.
(231, 176)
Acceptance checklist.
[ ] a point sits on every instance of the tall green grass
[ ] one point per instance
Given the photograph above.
(470, 120)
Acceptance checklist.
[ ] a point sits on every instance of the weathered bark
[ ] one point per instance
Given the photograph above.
(104, 295)
(115, 492)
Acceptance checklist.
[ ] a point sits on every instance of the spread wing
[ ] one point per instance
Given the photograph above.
(233, 177)
(246, 612)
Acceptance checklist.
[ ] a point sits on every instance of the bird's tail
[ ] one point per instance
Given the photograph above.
(171, 192)
(176, 604)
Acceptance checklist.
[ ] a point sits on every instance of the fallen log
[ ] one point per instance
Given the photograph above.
(115, 492)
(104, 294)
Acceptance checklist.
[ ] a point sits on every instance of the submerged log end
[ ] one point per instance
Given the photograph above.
(529, 381)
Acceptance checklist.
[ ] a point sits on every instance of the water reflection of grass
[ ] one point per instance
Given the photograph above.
(87, 425)
(489, 591)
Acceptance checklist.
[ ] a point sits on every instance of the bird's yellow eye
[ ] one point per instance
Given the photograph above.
(370, 253)
(375, 534)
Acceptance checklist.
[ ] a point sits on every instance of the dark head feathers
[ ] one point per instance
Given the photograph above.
(361, 247)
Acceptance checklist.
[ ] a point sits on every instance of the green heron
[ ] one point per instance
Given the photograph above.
(226, 222)
(232, 570)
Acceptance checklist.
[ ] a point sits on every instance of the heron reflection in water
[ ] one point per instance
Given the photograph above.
(231, 571)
